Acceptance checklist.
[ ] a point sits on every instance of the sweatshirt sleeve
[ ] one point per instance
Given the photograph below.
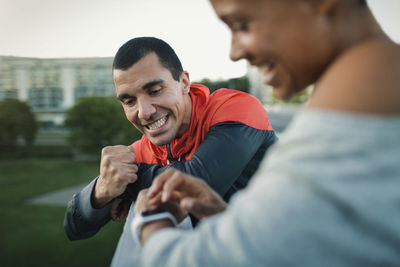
(311, 203)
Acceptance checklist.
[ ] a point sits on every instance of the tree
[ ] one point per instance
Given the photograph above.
(95, 122)
(16, 121)
(299, 98)
(241, 84)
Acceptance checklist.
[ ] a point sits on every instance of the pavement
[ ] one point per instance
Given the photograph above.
(56, 198)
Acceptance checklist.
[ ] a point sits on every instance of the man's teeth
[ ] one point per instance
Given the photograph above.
(157, 124)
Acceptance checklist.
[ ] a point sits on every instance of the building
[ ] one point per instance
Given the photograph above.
(51, 86)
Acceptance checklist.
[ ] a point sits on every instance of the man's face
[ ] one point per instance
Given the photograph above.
(288, 40)
(155, 103)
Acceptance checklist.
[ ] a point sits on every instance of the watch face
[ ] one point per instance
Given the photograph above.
(151, 212)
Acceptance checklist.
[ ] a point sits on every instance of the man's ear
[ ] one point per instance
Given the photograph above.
(185, 82)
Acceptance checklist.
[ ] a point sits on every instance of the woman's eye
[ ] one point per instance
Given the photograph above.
(239, 27)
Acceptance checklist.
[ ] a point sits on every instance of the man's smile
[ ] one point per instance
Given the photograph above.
(157, 124)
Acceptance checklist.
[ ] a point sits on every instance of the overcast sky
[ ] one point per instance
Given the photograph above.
(91, 28)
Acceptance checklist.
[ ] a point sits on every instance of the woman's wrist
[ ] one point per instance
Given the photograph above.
(150, 228)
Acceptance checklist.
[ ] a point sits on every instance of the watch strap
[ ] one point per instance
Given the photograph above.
(140, 219)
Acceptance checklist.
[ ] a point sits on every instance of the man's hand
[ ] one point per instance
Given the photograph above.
(117, 170)
(193, 194)
(120, 209)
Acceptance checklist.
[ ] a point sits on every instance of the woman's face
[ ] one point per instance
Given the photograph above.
(290, 41)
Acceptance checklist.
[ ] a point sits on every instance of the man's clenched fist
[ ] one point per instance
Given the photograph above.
(117, 170)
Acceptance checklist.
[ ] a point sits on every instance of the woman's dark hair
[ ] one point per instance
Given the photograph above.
(362, 2)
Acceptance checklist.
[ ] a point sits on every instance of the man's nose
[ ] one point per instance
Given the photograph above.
(145, 109)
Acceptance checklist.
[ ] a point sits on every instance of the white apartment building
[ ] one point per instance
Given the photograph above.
(51, 86)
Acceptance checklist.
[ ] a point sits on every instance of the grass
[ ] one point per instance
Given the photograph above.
(33, 235)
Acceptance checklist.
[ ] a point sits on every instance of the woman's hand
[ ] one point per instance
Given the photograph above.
(142, 204)
(193, 194)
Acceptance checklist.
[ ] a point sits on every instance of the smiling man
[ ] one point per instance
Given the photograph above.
(220, 138)
(156, 104)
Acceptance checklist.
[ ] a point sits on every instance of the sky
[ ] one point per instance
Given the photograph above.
(97, 28)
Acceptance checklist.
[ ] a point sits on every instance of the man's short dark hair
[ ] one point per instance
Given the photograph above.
(135, 49)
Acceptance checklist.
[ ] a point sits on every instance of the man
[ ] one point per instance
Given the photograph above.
(220, 137)
(328, 193)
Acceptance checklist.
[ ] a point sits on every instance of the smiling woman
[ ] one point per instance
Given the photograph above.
(324, 193)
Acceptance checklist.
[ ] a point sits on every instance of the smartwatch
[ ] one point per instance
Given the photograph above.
(149, 216)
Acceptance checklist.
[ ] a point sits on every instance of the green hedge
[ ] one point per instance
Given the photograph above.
(36, 152)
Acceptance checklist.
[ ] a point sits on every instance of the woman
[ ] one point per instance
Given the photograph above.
(328, 193)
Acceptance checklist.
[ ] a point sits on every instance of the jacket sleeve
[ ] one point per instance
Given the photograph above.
(81, 219)
(221, 158)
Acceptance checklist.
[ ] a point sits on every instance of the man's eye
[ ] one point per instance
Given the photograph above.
(239, 27)
(129, 102)
(155, 92)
